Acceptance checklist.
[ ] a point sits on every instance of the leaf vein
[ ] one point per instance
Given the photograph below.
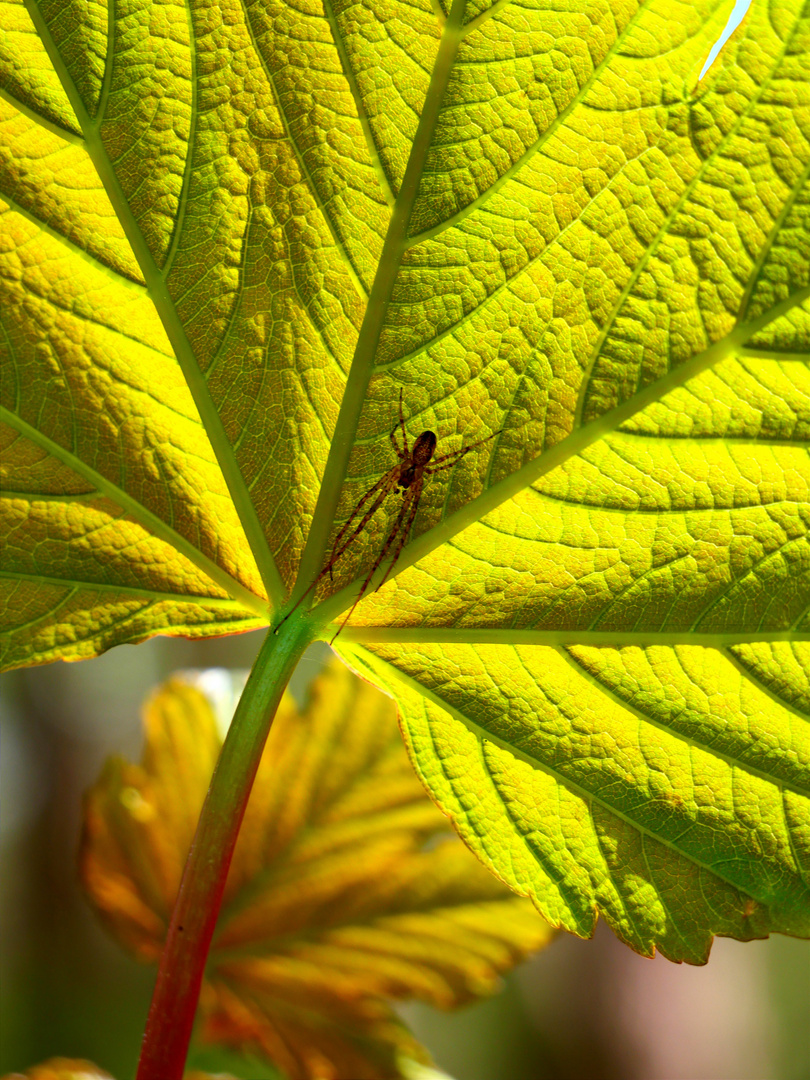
(571, 785)
(42, 121)
(302, 165)
(670, 728)
(513, 170)
(75, 249)
(652, 248)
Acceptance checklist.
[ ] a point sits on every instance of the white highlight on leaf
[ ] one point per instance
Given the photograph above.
(734, 20)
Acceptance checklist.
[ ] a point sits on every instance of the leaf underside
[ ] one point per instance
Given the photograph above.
(234, 232)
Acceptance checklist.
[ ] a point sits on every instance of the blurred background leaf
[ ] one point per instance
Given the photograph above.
(347, 885)
(76, 1069)
(62, 1069)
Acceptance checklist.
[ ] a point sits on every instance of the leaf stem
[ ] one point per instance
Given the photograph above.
(177, 989)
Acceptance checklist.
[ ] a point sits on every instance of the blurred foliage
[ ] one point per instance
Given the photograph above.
(77, 1069)
(347, 885)
(59, 1068)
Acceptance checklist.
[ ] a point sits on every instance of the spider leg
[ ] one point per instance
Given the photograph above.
(383, 488)
(456, 455)
(406, 452)
(412, 496)
(403, 539)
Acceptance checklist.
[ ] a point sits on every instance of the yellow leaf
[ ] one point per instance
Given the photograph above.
(60, 1068)
(347, 886)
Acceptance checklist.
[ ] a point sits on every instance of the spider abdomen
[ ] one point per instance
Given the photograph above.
(423, 448)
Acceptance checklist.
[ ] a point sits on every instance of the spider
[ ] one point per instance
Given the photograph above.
(409, 476)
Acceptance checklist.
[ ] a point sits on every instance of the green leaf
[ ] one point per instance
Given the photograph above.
(236, 232)
(347, 885)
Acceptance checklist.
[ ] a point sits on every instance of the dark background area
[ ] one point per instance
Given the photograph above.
(581, 1010)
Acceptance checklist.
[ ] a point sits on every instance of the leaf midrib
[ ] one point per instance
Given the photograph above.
(153, 524)
(569, 447)
(394, 245)
(175, 331)
(144, 592)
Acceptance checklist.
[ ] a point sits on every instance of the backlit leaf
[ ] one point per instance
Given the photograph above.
(235, 232)
(79, 1069)
(347, 887)
(60, 1068)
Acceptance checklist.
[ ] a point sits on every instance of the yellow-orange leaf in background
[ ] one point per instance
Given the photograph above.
(346, 887)
(60, 1068)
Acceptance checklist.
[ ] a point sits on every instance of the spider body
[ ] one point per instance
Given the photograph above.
(407, 476)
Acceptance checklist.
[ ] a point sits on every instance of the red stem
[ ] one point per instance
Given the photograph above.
(177, 989)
